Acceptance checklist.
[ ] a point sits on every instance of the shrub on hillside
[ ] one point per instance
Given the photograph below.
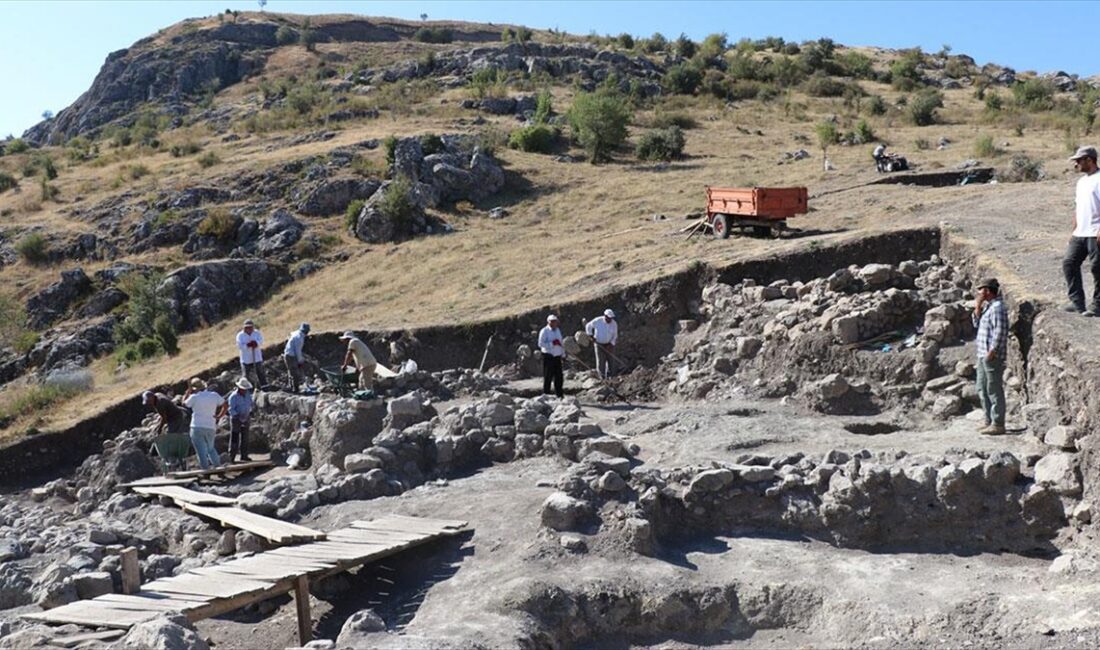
(18, 145)
(396, 203)
(598, 123)
(984, 147)
(681, 79)
(863, 133)
(389, 148)
(822, 85)
(217, 223)
(286, 35)
(857, 65)
(185, 149)
(716, 84)
(208, 159)
(148, 328)
(665, 119)
(537, 138)
(1022, 169)
(351, 215)
(32, 248)
(7, 182)
(922, 109)
(876, 105)
(993, 102)
(434, 35)
(431, 143)
(1034, 94)
(905, 73)
(660, 144)
(544, 107)
(654, 44)
(684, 47)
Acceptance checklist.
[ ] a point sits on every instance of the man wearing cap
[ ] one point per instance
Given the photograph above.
(879, 154)
(171, 416)
(204, 405)
(360, 354)
(552, 354)
(250, 344)
(991, 319)
(238, 405)
(604, 331)
(1084, 242)
(293, 356)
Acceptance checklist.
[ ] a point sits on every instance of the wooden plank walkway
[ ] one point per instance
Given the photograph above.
(273, 530)
(181, 495)
(214, 590)
(224, 469)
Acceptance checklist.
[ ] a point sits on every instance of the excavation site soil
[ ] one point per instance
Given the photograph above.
(787, 456)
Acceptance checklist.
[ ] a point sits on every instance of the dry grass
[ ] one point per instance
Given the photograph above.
(575, 232)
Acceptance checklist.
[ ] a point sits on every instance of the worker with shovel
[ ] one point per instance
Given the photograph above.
(553, 352)
(250, 344)
(360, 354)
(604, 331)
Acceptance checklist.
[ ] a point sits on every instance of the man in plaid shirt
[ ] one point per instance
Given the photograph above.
(991, 319)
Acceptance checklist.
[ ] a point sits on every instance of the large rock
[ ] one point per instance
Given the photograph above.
(1062, 437)
(333, 196)
(207, 292)
(92, 584)
(375, 226)
(51, 303)
(15, 586)
(562, 512)
(342, 427)
(1058, 470)
(167, 632)
(280, 231)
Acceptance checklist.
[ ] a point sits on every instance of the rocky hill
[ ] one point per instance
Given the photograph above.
(303, 169)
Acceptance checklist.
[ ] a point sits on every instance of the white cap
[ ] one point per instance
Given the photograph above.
(244, 384)
(248, 323)
(146, 395)
(609, 313)
(551, 318)
(348, 335)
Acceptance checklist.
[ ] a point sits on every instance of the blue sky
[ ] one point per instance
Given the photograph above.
(51, 50)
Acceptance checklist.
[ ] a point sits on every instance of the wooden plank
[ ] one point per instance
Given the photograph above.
(397, 536)
(77, 639)
(224, 605)
(101, 616)
(154, 481)
(208, 586)
(224, 469)
(125, 601)
(185, 495)
(130, 570)
(445, 523)
(301, 603)
(270, 529)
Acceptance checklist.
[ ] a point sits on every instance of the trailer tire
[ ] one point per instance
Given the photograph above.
(721, 225)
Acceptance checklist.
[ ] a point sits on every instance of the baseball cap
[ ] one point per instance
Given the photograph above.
(348, 335)
(1083, 152)
(609, 313)
(990, 283)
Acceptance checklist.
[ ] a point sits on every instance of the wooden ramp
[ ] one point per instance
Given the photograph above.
(232, 468)
(214, 590)
(181, 495)
(273, 530)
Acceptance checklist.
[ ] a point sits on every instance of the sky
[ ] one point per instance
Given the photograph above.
(51, 50)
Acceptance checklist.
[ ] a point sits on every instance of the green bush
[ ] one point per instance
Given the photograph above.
(286, 35)
(1022, 169)
(625, 41)
(660, 144)
(598, 123)
(537, 138)
(744, 90)
(18, 145)
(857, 65)
(13, 320)
(396, 203)
(1034, 94)
(544, 107)
(984, 147)
(681, 79)
(684, 46)
(922, 110)
(35, 399)
(654, 44)
(740, 66)
(822, 85)
(147, 329)
(904, 73)
(663, 120)
(185, 149)
(863, 132)
(217, 223)
(80, 149)
(716, 84)
(434, 35)
(922, 144)
(993, 102)
(876, 105)
(389, 147)
(164, 332)
(431, 143)
(48, 192)
(32, 248)
(827, 134)
(351, 215)
(7, 182)
(208, 160)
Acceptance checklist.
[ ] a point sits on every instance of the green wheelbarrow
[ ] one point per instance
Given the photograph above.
(342, 380)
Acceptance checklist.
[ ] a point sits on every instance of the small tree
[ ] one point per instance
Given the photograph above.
(423, 16)
(826, 135)
(262, 3)
(47, 115)
(598, 123)
(543, 107)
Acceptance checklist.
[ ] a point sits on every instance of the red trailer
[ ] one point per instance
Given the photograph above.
(764, 209)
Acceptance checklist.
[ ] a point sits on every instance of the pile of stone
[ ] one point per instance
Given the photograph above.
(971, 502)
(467, 381)
(813, 331)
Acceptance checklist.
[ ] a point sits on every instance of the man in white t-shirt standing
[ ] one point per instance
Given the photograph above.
(204, 404)
(250, 343)
(604, 331)
(1085, 242)
(553, 352)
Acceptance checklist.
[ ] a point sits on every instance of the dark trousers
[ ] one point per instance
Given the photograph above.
(1079, 250)
(552, 372)
(238, 438)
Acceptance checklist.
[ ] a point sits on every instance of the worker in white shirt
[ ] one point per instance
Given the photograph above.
(293, 356)
(604, 331)
(250, 344)
(552, 355)
(360, 354)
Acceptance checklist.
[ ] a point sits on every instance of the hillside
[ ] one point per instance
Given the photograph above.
(222, 155)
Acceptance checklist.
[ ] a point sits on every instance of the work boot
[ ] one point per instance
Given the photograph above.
(1073, 308)
(993, 430)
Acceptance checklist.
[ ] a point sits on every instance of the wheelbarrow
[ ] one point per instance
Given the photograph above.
(342, 380)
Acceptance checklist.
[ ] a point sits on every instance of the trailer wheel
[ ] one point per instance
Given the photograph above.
(721, 225)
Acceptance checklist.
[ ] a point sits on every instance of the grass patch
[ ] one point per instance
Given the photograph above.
(984, 147)
(217, 223)
(32, 248)
(208, 160)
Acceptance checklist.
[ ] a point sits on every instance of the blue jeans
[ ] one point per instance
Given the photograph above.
(203, 440)
(991, 390)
